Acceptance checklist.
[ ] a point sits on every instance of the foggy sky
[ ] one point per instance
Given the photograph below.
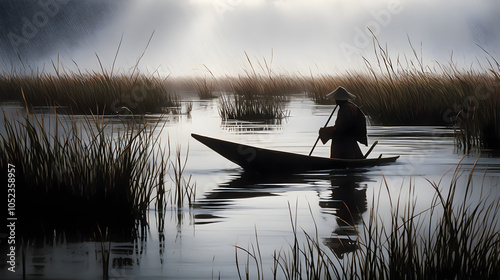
(317, 36)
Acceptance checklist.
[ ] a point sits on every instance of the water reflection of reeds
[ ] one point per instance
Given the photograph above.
(61, 256)
(252, 126)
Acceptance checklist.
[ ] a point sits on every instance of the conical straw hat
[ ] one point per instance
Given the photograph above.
(340, 94)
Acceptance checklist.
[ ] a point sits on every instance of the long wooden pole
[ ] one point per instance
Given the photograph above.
(371, 148)
(326, 124)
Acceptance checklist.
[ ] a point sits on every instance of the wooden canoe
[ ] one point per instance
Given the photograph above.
(261, 160)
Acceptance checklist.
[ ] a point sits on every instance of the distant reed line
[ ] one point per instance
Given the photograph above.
(391, 92)
(88, 93)
(401, 92)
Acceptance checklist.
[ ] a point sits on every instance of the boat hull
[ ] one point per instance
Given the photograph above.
(261, 160)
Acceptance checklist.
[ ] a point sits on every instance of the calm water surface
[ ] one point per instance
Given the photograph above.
(233, 208)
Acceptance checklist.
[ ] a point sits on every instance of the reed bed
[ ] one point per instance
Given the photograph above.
(390, 93)
(407, 92)
(397, 94)
(87, 93)
(400, 92)
(78, 174)
(252, 108)
(261, 80)
(105, 92)
(257, 96)
(477, 123)
(260, 85)
(453, 239)
(205, 88)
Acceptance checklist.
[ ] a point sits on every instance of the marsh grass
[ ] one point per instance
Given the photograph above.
(260, 85)
(407, 92)
(257, 96)
(83, 93)
(184, 190)
(105, 253)
(318, 87)
(454, 238)
(391, 91)
(400, 91)
(76, 175)
(239, 107)
(304, 260)
(253, 254)
(205, 87)
(263, 81)
(477, 123)
(104, 92)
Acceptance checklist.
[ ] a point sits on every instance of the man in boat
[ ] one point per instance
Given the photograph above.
(349, 128)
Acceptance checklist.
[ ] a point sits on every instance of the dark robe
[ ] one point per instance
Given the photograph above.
(349, 128)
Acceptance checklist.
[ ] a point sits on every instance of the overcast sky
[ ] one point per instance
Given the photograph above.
(318, 36)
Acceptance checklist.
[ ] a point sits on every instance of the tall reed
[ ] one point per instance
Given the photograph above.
(454, 238)
(254, 254)
(183, 189)
(406, 95)
(407, 92)
(76, 174)
(105, 253)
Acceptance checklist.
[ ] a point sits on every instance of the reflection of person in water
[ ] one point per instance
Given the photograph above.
(348, 200)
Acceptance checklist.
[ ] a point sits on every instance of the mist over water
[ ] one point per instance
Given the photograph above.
(299, 37)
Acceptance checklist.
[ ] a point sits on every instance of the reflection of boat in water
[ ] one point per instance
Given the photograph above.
(346, 200)
(252, 126)
(269, 161)
(242, 186)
